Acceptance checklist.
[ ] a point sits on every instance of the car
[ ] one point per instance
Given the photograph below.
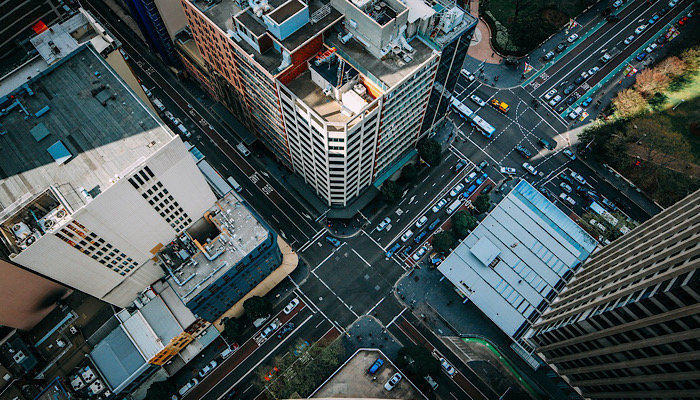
(641, 56)
(393, 381)
(651, 47)
(447, 367)
(575, 113)
(586, 102)
(335, 242)
(567, 199)
(508, 170)
(207, 369)
(419, 238)
(663, 11)
(299, 349)
(609, 204)
(438, 206)
(661, 40)
(597, 224)
(523, 151)
(629, 39)
(569, 89)
(407, 235)
(591, 194)
(392, 250)
(420, 253)
(571, 99)
(270, 374)
(548, 56)
(672, 3)
(291, 305)
(421, 221)
(472, 175)
(386, 221)
(593, 70)
(286, 328)
(653, 19)
(434, 224)
(550, 94)
(682, 21)
(375, 367)
(482, 165)
(640, 29)
(569, 153)
(612, 18)
(560, 47)
(476, 99)
(572, 38)
(549, 144)
(470, 77)
(579, 80)
(188, 386)
(460, 165)
(605, 58)
(555, 100)
(578, 178)
(455, 190)
(617, 3)
(269, 329)
(529, 168)
(565, 187)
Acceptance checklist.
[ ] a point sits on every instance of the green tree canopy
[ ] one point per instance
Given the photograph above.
(257, 307)
(430, 151)
(463, 223)
(443, 241)
(409, 173)
(482, 203)
(391, 191)
(233, 328)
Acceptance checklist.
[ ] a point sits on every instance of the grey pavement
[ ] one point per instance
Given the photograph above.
(369, 333)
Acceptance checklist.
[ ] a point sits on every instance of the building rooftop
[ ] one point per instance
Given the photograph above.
(228, 233)
(516, 260)
(76, 125)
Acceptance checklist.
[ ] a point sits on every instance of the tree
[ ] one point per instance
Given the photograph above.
(417, 361)
(233, 328)
(628, 103)
(482, 203)
(443, 241)
(660, 143)
(463, 223)
(671, 66)
(391, 191)
(430, 151)
(409, 173)
(257, 307)
(650, 81)
(159, 390)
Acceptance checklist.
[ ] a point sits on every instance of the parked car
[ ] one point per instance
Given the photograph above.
(578, 178)
(420, 253)
(207, 369)
(593, 70)
(672, 3)
(386, 221)
(375, 367)
(286, 328)
(560, 47)
(641, 56)
(569, 89)
(482, 165)
(470, 177)
(460, 164)
(653, 19)
(565, 187)
(548, 56)
(476, 99)
(629, 39)
(455, 190)
(523, 151)
(586, 102)
(572, 38)
(640, 29)
(335, 242)
(434, 225)
(447, 367)
(550, 94)
(407, 235)
(617, 4)
(421, 221)
(470, 77)
(438, 206)
(529, 168)
(420, 236)
(393, 381)
(291, 305)
(188, 386)
(269, 329)
(575, 113)
(508, 170)
(569, 153)
(605, 58)
(651, 47)
(565, 198)
(555, 100)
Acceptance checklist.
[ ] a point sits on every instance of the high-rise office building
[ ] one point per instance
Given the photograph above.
(159, 21)
(93, 183)
(627, 325)
(337, 90)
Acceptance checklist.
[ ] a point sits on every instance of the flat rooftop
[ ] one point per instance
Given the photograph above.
(75, 141)
(312, 95)
(516, 260)
(239, 233)
(390, 70)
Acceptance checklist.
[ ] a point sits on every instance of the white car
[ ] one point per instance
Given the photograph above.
(672, 3)
(420, 253)
(508, 170)
(455, 190)
(470, 77)
(617, 3)
(393, 381)
(188, 386)
(406, 236)
(629, 39)
(386, 221)
(472, 175)
(565, 187)
(269, 329)
(207, 369)
(593, 70)
(476, 99)
(555, 100)
(575, 113)
(572, 38)
(291, 305)
(438, 206)
(550, 94)
(565, 198)
(569, 153)
(421, 221)
(447, 367)
(597, 224)
(529, 168)
(578, 178)
(651, 47)
(640, 29)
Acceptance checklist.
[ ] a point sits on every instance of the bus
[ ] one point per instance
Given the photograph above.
(214, 179)
(484, 127)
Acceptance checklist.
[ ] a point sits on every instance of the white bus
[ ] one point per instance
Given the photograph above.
(215, 180)
(484, 127)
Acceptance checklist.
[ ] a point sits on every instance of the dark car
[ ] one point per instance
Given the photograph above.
(434, 224)
(523, 151)
(420, 236)
(571, 100)
(569, 89)
(661, 40)
(641, 56)
(560, 47)
(375, 367)
(579, 80)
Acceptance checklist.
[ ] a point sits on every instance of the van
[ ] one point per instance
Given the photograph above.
(453, 207)
(431, 382)
(183, 130)
(234, 184)
(226, 353)
(242, 149)
(158, 104)
(145, 90)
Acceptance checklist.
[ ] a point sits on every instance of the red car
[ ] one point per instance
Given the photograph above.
(682, 21)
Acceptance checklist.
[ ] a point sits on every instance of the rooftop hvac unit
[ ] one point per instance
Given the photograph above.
(21, 231)
(360, 89)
